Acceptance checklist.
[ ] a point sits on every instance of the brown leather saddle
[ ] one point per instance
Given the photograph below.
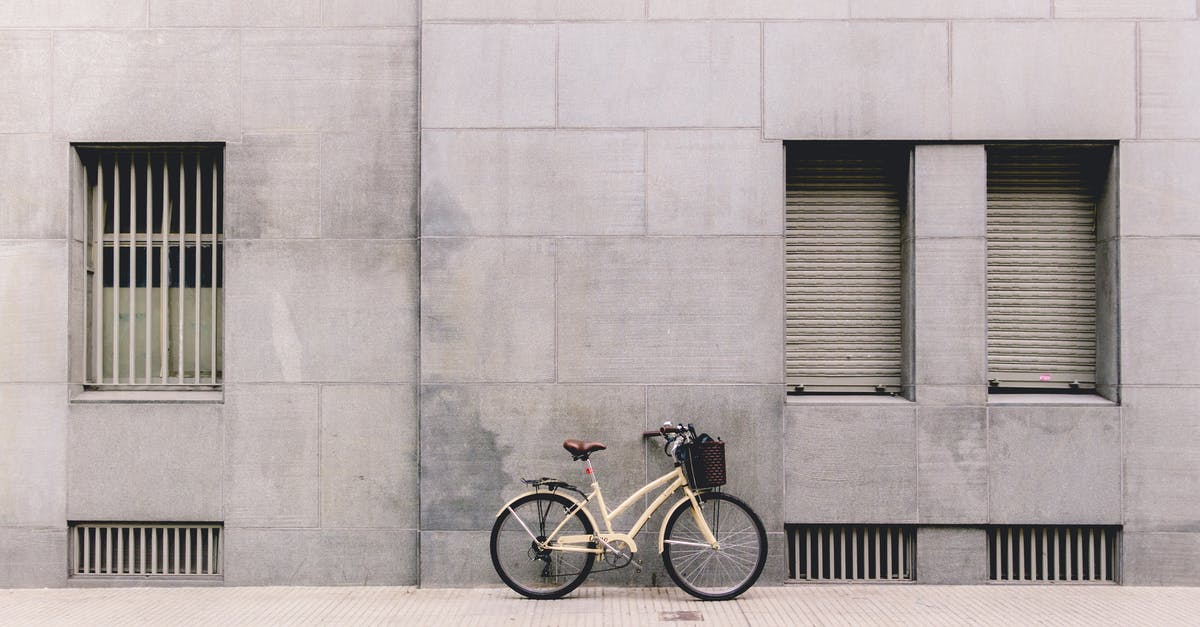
(580, 449)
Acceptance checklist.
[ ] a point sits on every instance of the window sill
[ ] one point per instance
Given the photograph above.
(850, 399)
(149, 396)
(1049, 399)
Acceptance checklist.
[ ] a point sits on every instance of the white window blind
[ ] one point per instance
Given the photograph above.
(154, 265)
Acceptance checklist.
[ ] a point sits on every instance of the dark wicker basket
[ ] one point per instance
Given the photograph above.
(704, 464)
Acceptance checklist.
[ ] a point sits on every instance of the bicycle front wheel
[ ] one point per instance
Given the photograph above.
(540, 573)
(715, 574)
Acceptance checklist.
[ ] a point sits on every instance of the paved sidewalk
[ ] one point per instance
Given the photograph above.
(788, 605)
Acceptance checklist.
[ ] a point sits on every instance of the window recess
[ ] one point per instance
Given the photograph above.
(154, 266)
(1041, 265)
(844, 267)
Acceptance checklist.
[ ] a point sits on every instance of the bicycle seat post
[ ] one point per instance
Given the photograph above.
(591, 472)
(587, 469)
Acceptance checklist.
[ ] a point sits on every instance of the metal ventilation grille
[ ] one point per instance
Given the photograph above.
(159, 550)
(844, 268)
(1052, 553)
(1041, 265)
(851, 552)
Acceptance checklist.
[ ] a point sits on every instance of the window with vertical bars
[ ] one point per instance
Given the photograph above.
(1066, 553)
(154, 265)
(844, 267)
(107, 549)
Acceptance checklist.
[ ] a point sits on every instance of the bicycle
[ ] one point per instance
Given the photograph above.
(544, 542)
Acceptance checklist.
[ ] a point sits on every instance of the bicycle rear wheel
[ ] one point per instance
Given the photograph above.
(530, 571)
(715, 574)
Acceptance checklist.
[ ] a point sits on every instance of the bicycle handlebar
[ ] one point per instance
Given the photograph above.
(674, 434)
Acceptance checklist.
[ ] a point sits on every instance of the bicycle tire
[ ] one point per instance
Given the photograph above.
(534, 573)
(715, 574)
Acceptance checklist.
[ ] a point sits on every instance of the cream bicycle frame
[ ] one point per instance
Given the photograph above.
(674, 480)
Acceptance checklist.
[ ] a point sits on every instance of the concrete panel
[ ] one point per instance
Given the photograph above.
(951, 321)
(33, 557)
(487, 310)
(271, 456)
(234, 12)
(1044, 80)
(145, 462)
(933, 9)
(1170, 80)
(1160, 193)
(369, 185)
(748, 418)
(933, 395)
(186, 82)
(73, 13)
(330, 54)
(33, 456)
(1162, 459)
(33, 186)
(952, 459)
(533, 183)
(322, 557)
(659, 74)
(26, 89)
(841, 80)
(954, 555)
(850, 464)
(497, 75)
(671, 310)
(432, 10)
(437, 571)
(369, 456)
(1160, 559)
(713, 183)
(33, 305)
(1054, 464)
(950, 191)
(369, 12)
(272, 186)
(1160, 294)
(775, 573)
(329, 105)
(1124, 8)
(339, 80)
(477, 442)
(321, 311)
(748, 9)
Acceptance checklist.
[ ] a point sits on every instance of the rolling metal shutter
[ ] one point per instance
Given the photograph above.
(1041, 265)
(844, 269)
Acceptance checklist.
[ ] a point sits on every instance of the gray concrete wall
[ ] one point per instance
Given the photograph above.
(602, 217)
(574, 228)
(311, 458)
